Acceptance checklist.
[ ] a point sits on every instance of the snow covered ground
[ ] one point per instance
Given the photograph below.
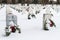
(31, 29)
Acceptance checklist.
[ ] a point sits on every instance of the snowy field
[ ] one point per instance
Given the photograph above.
(31, 29)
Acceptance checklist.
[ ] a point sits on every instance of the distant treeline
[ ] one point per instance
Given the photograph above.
(30, 1)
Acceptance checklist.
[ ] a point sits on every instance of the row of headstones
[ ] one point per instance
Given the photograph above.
(33, 7)
(19, 7)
